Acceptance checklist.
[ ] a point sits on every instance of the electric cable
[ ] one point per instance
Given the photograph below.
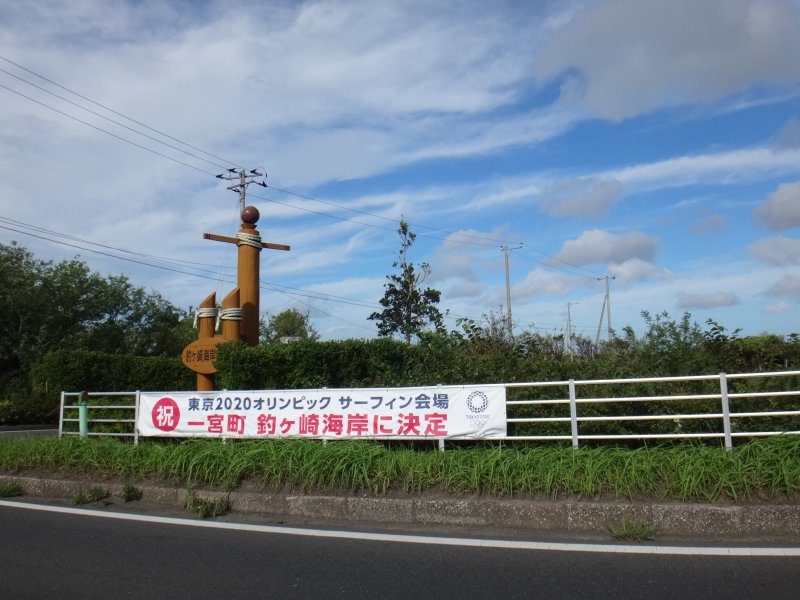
(211, 274)
(118, 113)
(285, 191)
(119, 137)
(97, 114)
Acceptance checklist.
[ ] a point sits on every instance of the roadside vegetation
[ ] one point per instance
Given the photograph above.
(95, 495)
(764, 469)
(635, 530)
(9, 489)
(63, 327)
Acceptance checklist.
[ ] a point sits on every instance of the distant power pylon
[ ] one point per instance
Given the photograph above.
(506, 250)
(568, 335)
(607, 308)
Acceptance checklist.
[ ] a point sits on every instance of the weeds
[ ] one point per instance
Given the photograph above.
(636, 530)
(206, 508)
(96, 494)
(764, 468)
(9, 489)
(131, 493)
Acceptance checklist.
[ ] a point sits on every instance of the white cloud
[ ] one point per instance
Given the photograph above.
(748, 164)
(789, 135)
(541, 282)
(710, 300)
(472, 289)
(459, 256)
(636, 269)
(778, 308)
(625, 57)
(712, 223)
(781, 209)
(419, 80)
(788, 286)
(776, 251)
(598, 246)
(456, 136)
(588, 197)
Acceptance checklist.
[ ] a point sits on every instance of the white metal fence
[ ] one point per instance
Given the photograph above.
(723, 406)
(719, 406)
(124, 426)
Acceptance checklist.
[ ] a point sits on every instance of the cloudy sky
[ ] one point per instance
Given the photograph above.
(654, 142)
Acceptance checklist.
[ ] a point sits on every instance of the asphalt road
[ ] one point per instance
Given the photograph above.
(48, 555)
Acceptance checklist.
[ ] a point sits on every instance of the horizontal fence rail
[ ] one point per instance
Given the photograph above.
(770, 407)
(723, 406)
(79, 416)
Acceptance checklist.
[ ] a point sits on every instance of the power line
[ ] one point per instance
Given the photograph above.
(345, 219)
(484, 240)
(85, 241)
(339, 206)
(372, 225)
(211, 274)
(150, 137)
(132, 120)
(229, 279)
(393, 220)
(489, 241)
(542, 262)
(119, 137)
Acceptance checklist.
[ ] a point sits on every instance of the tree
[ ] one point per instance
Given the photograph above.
(48, 306)
(290, 323)
(407, 309)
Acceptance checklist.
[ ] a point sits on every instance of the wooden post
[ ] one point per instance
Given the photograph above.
(206, 323)
(231, 316)
(250, 245)
(247, 280)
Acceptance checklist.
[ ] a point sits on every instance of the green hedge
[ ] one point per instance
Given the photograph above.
(445, 360)
(81, 370)
(35, 399)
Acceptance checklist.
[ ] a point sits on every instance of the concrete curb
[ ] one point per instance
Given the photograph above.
(581, 517)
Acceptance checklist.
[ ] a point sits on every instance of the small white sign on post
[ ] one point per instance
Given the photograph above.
(436, 412)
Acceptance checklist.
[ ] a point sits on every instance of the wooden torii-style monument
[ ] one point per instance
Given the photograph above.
(240, 308)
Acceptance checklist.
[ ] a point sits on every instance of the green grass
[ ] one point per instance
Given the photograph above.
(633, 530)
(9, 489)
(131, 493)
(206, 508)
(761, 469)
(96, 494)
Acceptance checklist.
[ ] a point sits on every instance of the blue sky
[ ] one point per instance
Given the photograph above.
(654, 142)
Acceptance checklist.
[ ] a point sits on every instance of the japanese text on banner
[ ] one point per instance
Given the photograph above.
(440, 412)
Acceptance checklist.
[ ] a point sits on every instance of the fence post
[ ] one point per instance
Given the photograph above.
(136, 418)
(726, 410)
(83, 414)
(573, 413)
(61, 417)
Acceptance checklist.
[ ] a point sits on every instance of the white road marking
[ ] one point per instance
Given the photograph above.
(420, 539)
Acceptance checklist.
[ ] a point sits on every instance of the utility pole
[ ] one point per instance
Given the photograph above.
(506, 250)
(568, 336)
(249, 245)
(607, 307)
(245, 178)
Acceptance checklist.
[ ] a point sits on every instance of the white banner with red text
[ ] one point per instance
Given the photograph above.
(467, 412)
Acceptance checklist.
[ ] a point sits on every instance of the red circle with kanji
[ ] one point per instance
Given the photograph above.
(166, 414)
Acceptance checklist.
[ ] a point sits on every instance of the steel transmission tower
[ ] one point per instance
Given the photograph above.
(506, 250)
(568, 336)
(607, 308)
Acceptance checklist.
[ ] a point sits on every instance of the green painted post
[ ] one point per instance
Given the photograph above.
(83, 415)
